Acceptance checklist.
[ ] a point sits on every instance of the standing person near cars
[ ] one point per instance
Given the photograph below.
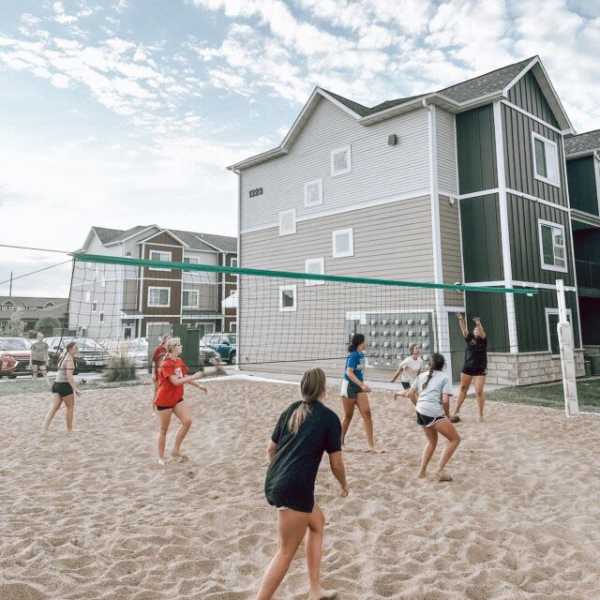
(304, 431)
(355, 391)
(172, 376)
(65, 387)
(475, 366)
(39, 357)
(408, 369)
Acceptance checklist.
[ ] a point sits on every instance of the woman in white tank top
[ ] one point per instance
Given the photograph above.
(65, 387)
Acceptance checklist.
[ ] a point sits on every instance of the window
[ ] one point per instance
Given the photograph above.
(287, 298)
(545, 160)
(233, 262)
(313, 193)
(232, 327)
(101, 317)
(341, 161)
(161, 256)
(551, 328)
(191, 299)
(315, 266)
(159, 296)
(191, 260)
(287, 222)
(343, 243)
(94, 306)
(553, 251)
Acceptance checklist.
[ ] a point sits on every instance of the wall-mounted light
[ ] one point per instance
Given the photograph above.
(392, 139)
(451, 200)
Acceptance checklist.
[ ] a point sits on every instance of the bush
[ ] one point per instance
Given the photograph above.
(47, 325)
(120, 368)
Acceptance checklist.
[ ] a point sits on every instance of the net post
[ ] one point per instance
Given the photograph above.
(566, 342)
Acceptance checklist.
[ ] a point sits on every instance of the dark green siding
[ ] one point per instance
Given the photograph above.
(527, 94)
(531, 319)
(582, 184)
(587, 244)
(482, 247)
(491, 309)
(518, 152)
(590, 320)
(523, 216)
(476, 150)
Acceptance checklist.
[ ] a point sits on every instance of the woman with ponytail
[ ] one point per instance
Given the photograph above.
(304, 431)
(431, 393)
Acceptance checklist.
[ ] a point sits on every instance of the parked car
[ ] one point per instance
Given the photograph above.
(224, 344)
(208, 356)
(92, 356)
(15, 356)
(135, 349)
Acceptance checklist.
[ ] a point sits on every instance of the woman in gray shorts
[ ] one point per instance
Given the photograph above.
(64, 387)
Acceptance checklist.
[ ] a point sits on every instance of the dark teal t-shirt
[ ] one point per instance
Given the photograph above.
(291, 477)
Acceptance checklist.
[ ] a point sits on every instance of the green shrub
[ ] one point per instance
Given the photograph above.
(120, 368)
(47, 326)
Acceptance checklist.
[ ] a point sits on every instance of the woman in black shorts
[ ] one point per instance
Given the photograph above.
(64, 387)
(475, 367)
(303, 432)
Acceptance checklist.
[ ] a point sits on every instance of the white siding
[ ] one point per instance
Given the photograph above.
(446, 147)
(379, 171)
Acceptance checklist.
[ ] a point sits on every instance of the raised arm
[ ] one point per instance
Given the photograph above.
(175, 380)
(336, 462)
(479, 324)
(462, 324)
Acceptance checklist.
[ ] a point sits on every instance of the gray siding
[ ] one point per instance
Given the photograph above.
(451, 249)
(446, 148)
(527, 94)
(519, 157)
(378, 171)
(523, 216)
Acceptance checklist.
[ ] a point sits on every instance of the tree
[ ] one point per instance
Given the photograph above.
(14, 327)
(47, 325)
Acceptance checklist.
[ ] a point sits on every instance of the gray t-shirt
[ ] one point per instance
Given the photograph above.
(39, 351)
(429, 402)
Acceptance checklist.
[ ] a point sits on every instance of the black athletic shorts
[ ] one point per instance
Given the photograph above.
(425, 421)
(350, 389)
(405, 385)
(169, 407)
(474, 372)
(39, 363)
(62, 389)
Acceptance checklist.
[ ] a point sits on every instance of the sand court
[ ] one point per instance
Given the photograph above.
(92, 516)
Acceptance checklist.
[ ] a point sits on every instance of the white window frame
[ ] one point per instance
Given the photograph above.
(321, 262)
(154, 287)
(546, 267)
(170, 254)
(337, 233)
(307, 185)
(286, 288)
(191, 260)
(549, 159)
(282, 214)
(554, 311)
(190, 291)
(346, 149)
(232, 325)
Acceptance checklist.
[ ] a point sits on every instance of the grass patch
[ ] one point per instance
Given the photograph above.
(550, 394)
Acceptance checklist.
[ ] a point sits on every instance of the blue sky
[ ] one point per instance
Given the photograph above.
(125, 112)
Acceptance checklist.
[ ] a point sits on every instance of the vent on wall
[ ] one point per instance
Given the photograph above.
(392, 139)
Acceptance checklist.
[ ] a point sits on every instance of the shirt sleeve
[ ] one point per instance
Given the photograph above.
(333, 441)
(404, 362)
(353, 360)
(279, 428)
(168, 368)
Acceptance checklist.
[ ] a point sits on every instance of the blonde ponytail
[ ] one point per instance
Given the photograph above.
(312, 388)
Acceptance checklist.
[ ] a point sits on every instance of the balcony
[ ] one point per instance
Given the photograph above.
(588, 278)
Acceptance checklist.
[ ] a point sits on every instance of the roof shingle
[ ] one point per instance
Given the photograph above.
(584, 142)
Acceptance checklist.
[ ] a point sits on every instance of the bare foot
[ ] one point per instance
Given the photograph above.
(322, 595)
(422, 475)
(176, 457)
(481, 419)
(442, 476)
(161, 462)
(376, 450)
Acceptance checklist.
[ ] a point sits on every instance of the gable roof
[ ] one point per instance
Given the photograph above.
(583, 143)
(455, 98)
(105, 235)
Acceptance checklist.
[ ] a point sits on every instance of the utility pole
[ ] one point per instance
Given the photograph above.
(10, 285)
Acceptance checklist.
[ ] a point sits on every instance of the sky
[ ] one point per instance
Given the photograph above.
(123, 112)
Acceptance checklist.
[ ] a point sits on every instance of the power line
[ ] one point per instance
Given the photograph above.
(36, 271)
(36, 249)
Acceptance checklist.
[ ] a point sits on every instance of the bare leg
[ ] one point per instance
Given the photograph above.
(348, 405)
(164, 422)
(34, 369)
(432, 438)
(362, 401)
(448, 430)
(183, 413)
(314, 551)
(56, 402)
(465, 382)
(292, 527)
(70, 411)
(479, 390)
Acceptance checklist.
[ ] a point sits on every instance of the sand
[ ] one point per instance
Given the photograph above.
(91, 515)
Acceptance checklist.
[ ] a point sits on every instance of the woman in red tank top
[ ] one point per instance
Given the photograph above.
(172, 376)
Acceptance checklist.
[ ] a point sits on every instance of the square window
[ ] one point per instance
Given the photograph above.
(287, 222)
(545, 160)
(287, 298)
(191, 299)
(159, 296)
(553, 250)
(234, 262)
(191, 260)
(160, 256)
(341, 161)
(314, 266)
(343, 243)
(313, 193)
